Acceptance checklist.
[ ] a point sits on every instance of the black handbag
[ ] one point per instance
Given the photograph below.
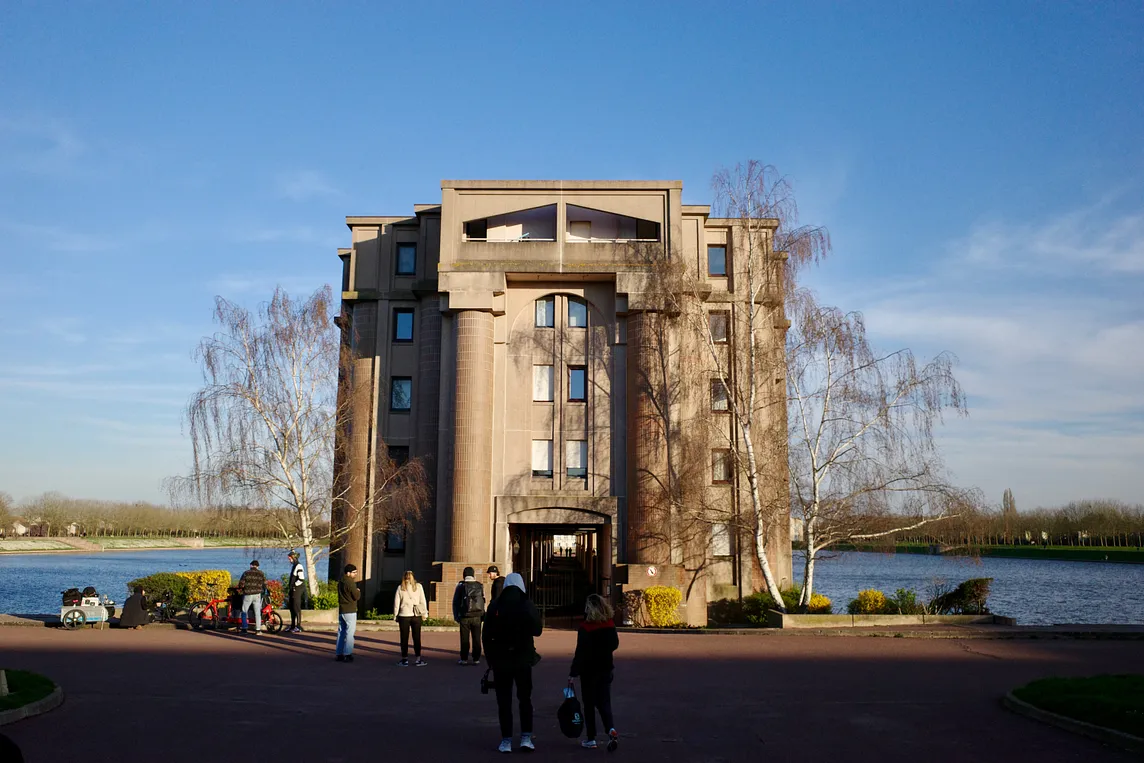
(570, 716)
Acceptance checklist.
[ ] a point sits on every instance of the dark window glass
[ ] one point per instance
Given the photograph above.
(401, 394)
(477, 229)
(716, 260)
(395, 539)
(719, 323)
(399, 454)
(719, 400)
(577, 384)
(403, 325)
(577, 313)
(646, 230)
(406, 259)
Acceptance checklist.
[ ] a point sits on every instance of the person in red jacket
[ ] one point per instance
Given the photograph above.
(595, 642)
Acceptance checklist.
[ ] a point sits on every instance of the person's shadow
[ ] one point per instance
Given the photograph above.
(9, 752)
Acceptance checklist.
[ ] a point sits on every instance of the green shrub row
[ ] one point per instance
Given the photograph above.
(968, 598)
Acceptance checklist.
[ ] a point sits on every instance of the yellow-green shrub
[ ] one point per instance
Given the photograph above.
(205, 585)
(661, 602)
(869, 602)
(819, 605)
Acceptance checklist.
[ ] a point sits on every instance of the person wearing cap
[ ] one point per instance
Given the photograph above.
(511, 624)
(348, 596)
(251, 584)
(296, 583)
(468, 609)
(496, 580)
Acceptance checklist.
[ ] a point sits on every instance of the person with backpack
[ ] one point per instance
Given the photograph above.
(511, 624)
(468, 609)
(296, 583)
(409, 607)
(252, 584)
(595, 642)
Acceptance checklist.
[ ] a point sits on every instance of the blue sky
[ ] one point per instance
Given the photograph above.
(979, 167)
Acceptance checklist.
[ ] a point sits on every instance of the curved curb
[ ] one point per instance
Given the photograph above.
(39, 707)
(1101, 734)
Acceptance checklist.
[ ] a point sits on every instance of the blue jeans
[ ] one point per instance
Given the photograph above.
(254, 601)
(347, 624)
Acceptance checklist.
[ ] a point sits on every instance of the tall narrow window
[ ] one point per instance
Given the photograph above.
(719, 401)
(406, 259)
(720, 540)
(542, 458)
(577, 384)
(403, 325)
(720, 466)
(718, 321)
(577, 313)
(546, 312)
(577, 458)
(400, 393)
(716, 260)
(542, 384)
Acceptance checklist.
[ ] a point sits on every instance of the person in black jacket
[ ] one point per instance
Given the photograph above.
(595, 642)
(348, 595)
(495, 580)
(511, 624)
(468, 609)
(134, 612)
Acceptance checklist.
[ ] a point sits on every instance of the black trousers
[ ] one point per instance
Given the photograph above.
(407, 624)
(296, 607)
(470, 633)
(597, 691)
(504, 679)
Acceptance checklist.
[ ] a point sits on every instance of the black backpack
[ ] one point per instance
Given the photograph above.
(474, 598)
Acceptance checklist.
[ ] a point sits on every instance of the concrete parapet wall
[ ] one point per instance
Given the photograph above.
(776, 619)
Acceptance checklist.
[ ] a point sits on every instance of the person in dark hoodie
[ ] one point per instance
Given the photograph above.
(468, 609)
(348, 595)
(595, 642)
(134, 612)
(496, 581)
(511, 624)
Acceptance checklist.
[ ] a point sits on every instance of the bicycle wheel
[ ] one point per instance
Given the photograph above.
(203, 615)
(273, 622)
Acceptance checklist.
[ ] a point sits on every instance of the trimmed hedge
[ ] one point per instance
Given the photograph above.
(185, 587)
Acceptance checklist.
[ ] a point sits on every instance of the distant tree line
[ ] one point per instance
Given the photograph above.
(54, 514)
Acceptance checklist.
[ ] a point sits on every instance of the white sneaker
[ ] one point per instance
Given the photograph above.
(505, 745)
(588, 744)
(526, 744)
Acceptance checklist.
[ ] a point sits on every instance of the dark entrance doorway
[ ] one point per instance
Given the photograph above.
(561, 565)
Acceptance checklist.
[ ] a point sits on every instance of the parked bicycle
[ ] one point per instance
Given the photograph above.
(163, 609)
(221, 613)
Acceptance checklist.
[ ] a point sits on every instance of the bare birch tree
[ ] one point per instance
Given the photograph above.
(861, 426)
(263, 426)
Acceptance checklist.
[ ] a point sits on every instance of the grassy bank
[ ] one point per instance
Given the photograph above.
(1114, 702)
(1057, 553)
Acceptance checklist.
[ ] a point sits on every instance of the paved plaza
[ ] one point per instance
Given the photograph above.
(163, 694)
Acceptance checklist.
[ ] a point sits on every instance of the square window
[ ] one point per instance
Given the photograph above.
(400, 393)
(406, 259)
(576, 452)
(399, 454)
(719, 401)
(403, 325)
(542, 384)
(720, 467)
(577, 313)
(718, 322)
(717, 261)
(577, 384)
(546, 312)
(542, 458)
(720, 540)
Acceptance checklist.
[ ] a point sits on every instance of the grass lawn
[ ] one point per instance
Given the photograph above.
(1115, 702)
(25, 687)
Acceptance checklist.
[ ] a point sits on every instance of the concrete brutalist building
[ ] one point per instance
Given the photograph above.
(501, 335)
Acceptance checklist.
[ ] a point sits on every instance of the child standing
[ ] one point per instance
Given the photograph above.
(595, 642)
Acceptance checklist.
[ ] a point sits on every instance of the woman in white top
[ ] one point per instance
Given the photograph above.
(409, 606)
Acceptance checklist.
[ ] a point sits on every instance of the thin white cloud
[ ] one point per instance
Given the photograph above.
(38, 145)
(304, 185)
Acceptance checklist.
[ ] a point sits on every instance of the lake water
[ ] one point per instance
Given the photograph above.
(1035, 591)
(31, 583)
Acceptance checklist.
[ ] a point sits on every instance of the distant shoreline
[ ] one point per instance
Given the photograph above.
(99, 549)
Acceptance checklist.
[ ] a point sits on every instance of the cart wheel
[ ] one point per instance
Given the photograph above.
(273, 622)
(202, 615)
(73, 618)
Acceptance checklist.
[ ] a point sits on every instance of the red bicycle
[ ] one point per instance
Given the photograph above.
(209, 614)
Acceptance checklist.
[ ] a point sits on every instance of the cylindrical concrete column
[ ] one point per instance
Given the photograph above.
(472, 438)
(648, 533)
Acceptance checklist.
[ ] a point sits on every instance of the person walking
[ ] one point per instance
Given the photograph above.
(252, 584)
(496, 581)
(468, 609)
(297, 583)
(595, 642)
(409, 607)
(511, 624)
(348, 595)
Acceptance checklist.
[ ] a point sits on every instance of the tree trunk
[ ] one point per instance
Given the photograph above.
(308, 551)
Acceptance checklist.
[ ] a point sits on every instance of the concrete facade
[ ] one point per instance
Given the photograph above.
(506, 336)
